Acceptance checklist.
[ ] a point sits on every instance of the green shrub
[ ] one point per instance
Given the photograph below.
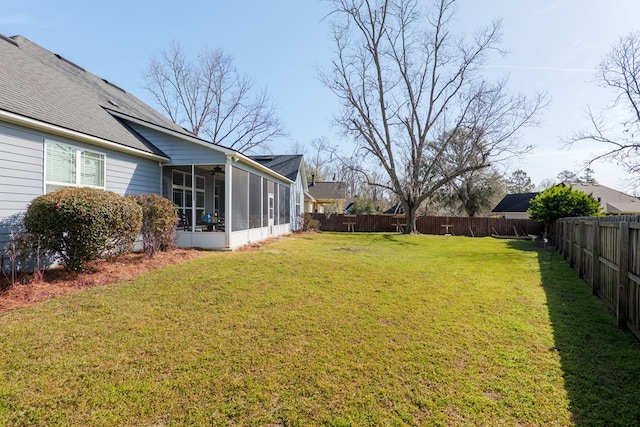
(159, 221)
(83, 224)
(562, 201)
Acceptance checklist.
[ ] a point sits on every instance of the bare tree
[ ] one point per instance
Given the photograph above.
(210, 97)
(544, 184)
(619, 71)
(408, 85)
(475, 192)
(319, 160)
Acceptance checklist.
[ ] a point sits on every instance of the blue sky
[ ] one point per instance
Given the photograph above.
(553, 46)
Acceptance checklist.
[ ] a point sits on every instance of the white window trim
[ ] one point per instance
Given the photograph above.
(189, 187)
(79, 151)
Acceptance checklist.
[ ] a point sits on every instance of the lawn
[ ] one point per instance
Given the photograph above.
(327, 329)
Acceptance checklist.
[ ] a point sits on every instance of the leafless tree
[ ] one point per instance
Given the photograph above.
(211, 98)
(319, 159)
(405, 81)
(475, 192)
(544, 184)
(620, 72)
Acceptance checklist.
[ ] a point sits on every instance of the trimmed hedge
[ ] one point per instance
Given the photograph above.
(84, 224)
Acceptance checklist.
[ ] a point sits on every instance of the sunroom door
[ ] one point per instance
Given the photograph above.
(271, 213)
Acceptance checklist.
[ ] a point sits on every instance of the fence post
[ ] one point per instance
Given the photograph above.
(623, 273)
(595, 263)
(573, 226)
(566, 232)
(581, 239)
(563, 238)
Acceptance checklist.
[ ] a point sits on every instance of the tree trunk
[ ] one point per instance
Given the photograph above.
(411, 221)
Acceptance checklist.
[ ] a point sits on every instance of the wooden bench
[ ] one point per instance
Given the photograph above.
(400, 222)
(350, 222)
(447, 232)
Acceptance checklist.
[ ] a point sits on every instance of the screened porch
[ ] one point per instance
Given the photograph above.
(228, 205)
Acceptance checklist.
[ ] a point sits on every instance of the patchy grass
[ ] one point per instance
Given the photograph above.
(327, 329)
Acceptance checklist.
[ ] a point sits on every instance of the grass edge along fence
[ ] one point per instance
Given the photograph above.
(605, 251)
(460, 226)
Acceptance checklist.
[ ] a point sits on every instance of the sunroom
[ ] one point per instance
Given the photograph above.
(227, 205)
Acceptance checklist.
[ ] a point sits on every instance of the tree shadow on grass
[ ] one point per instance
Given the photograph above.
(394, 238)
(600, 362)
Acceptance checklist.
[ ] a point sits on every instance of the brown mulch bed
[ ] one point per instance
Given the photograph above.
(58, 281)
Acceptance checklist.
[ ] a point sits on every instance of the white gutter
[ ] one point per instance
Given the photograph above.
(309, 196)
(75, 135)
(241, 157)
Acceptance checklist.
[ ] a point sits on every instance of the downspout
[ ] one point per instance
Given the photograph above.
(161, 180)
(227, 203)
(193, 198)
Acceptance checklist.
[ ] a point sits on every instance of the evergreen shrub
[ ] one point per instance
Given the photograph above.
(159, 222)
(82, 224)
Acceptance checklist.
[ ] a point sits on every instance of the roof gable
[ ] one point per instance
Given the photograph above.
(518, 202)
(286, 165)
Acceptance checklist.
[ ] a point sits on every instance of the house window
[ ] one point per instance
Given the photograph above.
(183, 194)
(68, 166)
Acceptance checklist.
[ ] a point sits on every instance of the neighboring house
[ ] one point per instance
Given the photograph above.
(613, 202)
(327, 197)
(514, 206)
(394, 210)
(61, 126)
(291, 167)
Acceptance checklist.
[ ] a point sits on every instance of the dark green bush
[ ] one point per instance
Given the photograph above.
(84, 224)
(159, 221)
(562, 201)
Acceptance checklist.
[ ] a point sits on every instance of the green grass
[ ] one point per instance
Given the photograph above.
(328, 329)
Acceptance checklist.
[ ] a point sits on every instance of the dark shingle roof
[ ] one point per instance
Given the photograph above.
(41, 85)
(518, 202)
(394, 210)
(286, 165)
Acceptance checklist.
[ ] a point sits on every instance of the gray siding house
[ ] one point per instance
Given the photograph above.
(61, 125)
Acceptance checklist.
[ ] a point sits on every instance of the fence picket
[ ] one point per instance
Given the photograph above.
(615, 260)
(466, 226)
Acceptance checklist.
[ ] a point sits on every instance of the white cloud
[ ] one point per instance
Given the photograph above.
(541, 68)
(15, 19)
(549, 9)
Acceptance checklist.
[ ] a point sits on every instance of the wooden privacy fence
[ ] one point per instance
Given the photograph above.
(462, 226)
(605, 253)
